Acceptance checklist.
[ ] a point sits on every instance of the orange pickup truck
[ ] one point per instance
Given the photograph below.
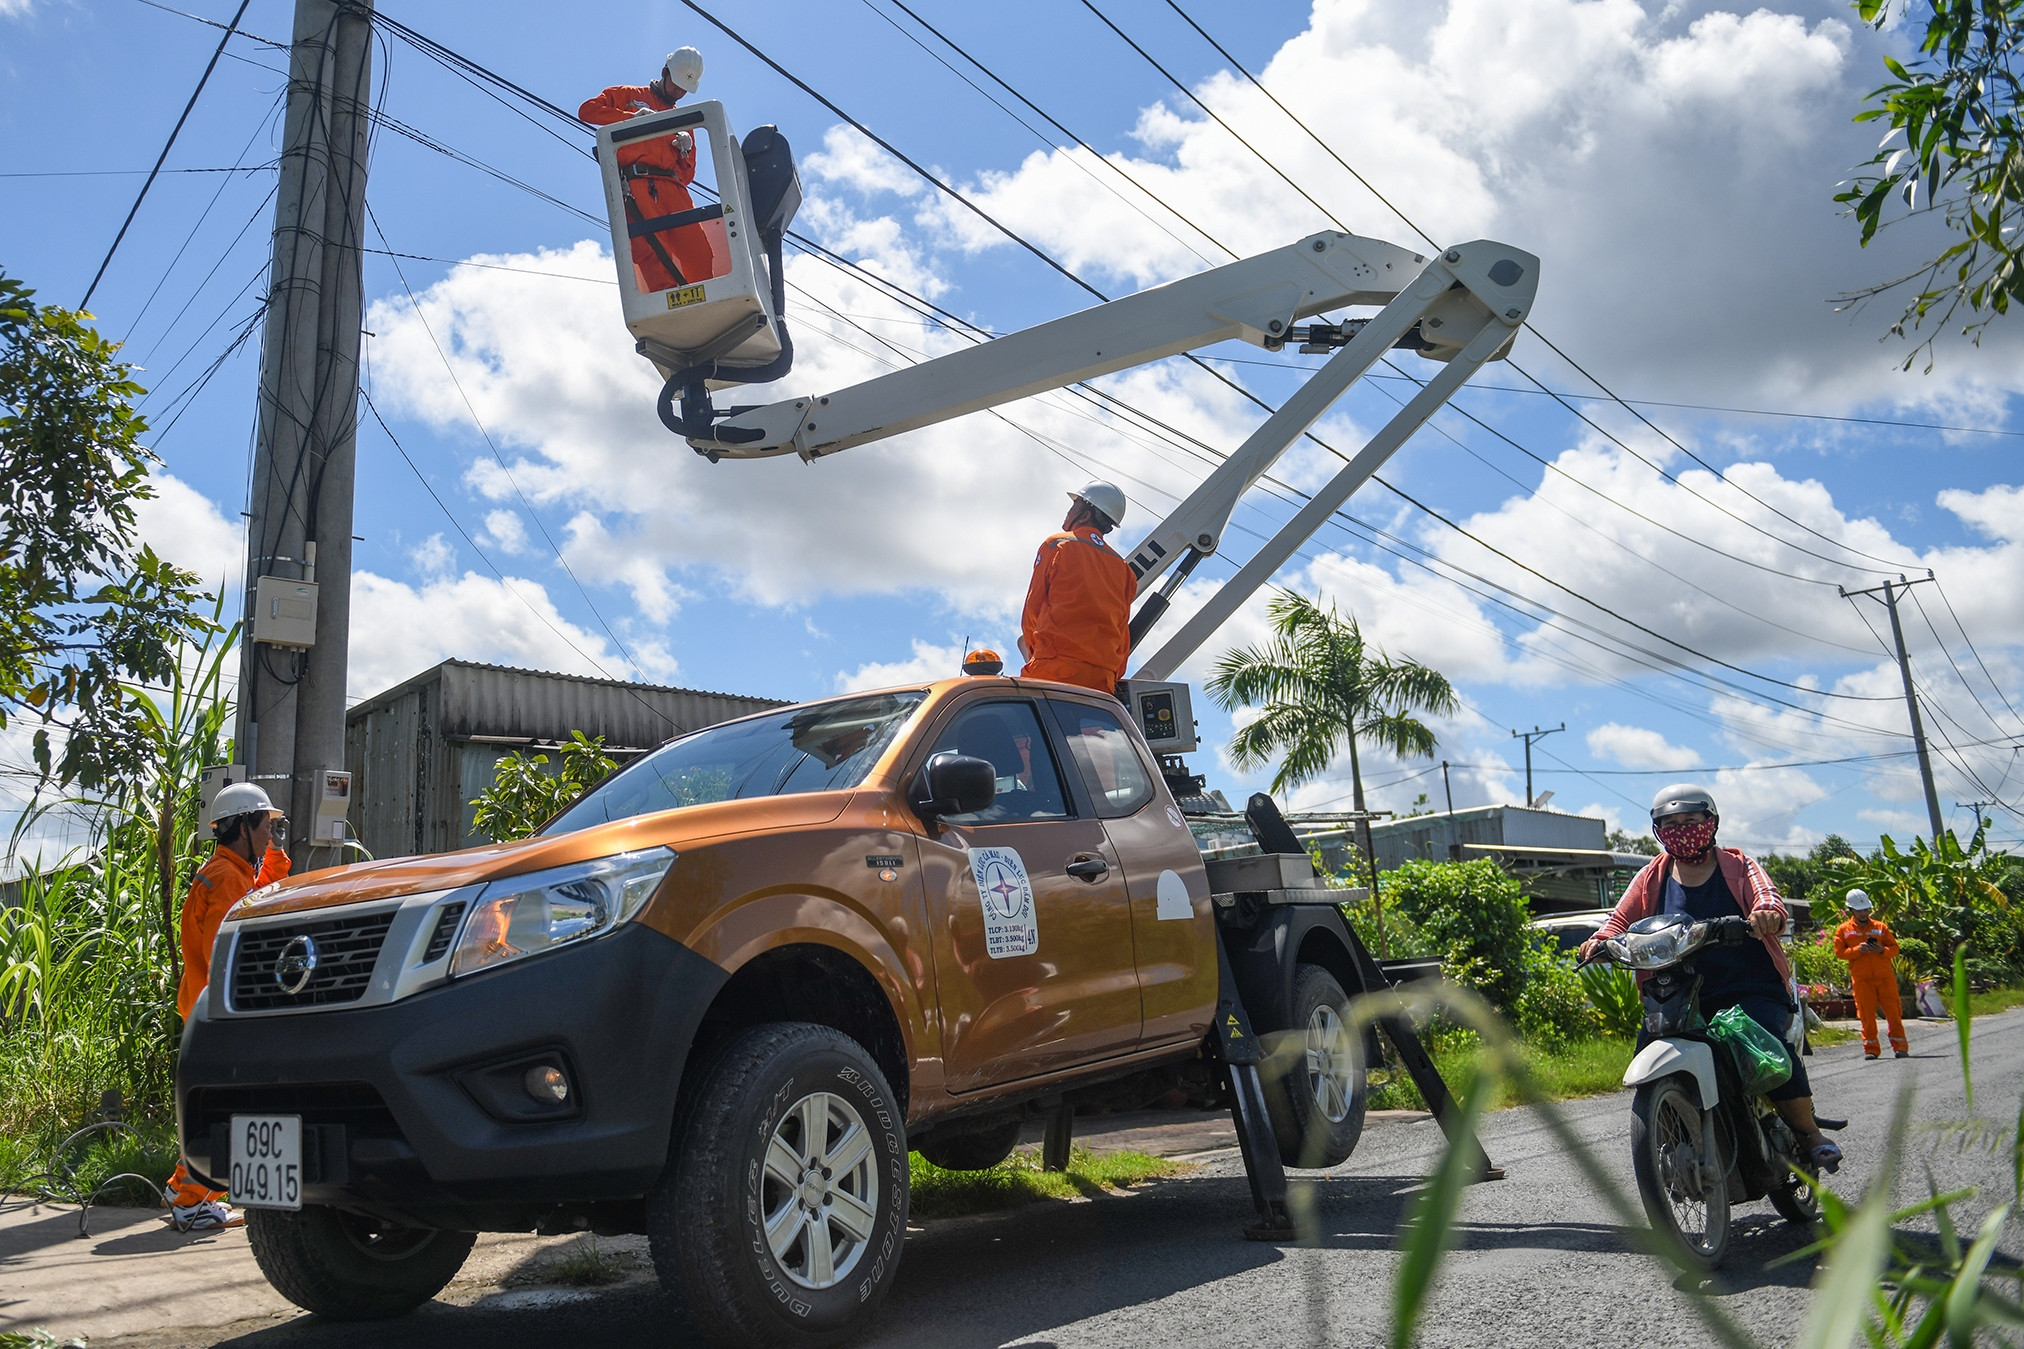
(719, 997)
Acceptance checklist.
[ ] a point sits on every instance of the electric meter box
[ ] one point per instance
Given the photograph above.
(284, 612)
(333, 803)
(216, 779)
(661, 234)
(1166, 714)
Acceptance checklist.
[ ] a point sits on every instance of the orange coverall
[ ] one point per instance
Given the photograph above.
(1874, 981)
(224, 881)
(657, 184)
(1077, 623)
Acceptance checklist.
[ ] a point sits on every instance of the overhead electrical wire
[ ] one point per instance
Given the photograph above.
(174, 132)
(1607, 392)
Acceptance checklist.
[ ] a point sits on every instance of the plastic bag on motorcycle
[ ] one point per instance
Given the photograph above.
(1760, 1058)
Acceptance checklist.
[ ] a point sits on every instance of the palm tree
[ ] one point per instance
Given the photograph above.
(1320, 686)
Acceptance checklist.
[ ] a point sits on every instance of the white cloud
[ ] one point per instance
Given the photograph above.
(928, 661)
(504, 532)
(399, 630)
(432, 557)
(1997, 512)
(1637, 747)
(187, 528)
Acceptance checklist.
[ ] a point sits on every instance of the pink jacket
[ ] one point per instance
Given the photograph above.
(1645, 894)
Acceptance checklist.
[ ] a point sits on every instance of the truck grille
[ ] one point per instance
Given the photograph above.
(345, 948)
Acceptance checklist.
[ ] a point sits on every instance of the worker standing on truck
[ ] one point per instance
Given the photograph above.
(1077, 625)
(657, 171)
(245, 823)
(1869, 946)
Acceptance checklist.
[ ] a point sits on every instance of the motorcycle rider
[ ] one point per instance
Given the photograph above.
(1694, 877)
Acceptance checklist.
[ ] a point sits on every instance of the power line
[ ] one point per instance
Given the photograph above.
(177, 130)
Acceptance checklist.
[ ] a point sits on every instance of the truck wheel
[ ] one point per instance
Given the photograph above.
(978, 1151)
(1315, 1081)
(782, 1212)
(350, 1268)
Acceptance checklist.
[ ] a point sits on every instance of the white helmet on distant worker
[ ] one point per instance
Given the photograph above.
(683, 69)
(1106, 499)
(241, 798)
(1859, 900)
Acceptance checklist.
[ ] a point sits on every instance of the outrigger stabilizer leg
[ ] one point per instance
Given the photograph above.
(1241, 1055)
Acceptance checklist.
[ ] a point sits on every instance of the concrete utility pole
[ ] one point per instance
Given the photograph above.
(1975, 806)
(1528, 737)
(299, 508)
(1897, 634)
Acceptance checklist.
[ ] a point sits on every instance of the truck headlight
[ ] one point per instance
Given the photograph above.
(526, 915)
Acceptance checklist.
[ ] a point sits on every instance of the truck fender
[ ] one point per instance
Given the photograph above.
(1663, 1058)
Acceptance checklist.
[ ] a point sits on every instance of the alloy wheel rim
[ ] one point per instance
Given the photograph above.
(1331, 1065)
(820, 1190)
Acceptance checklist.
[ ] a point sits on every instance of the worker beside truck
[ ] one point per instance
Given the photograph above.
(246, 825)
(1077, 624)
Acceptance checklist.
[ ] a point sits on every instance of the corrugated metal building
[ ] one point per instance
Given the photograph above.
(420, 752)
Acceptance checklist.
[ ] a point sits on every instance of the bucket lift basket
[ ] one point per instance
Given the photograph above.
(726, 325)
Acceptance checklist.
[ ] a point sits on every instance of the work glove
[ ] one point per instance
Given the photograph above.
(685, 144)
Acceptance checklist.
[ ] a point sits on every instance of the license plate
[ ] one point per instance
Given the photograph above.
(267, 1161)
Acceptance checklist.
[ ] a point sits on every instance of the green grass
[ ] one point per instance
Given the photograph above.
(1828, 1036)
(1019, 1179)
(150, 1151)
(1987, 1002)
(1582, 1068)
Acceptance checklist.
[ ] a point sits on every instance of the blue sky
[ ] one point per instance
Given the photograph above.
(1673, 167)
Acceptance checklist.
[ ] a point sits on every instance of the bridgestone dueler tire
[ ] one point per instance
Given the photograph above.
(350, 1268)
(979, 1151)
(1307, 1136)
(706, 1220)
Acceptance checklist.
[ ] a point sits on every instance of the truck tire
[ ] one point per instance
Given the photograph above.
(349, 1268)
(1314, 1083)
(977, 1151)
(782, 1213)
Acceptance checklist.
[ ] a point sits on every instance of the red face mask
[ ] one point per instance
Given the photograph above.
(1687, 842)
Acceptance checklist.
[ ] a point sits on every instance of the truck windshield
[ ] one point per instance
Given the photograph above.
(822, 748)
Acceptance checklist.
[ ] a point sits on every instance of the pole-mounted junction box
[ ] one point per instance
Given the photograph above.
(284, 612)
(333, 803)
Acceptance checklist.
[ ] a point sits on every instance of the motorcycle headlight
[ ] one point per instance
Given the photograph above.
(1654, 950)
(527, 915)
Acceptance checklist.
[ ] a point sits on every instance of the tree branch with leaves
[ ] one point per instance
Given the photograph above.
(1953, 149)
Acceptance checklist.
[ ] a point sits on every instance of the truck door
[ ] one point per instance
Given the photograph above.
(1173, 928)
(1033, 960)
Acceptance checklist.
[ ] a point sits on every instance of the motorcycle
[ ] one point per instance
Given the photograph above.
(1700, 1143)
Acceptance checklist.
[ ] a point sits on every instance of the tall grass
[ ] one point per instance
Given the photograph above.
(90, 956)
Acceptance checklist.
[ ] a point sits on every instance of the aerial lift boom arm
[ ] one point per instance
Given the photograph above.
(1462, 308)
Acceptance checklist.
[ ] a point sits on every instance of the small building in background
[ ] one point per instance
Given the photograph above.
(1564, 861)
(423, 750)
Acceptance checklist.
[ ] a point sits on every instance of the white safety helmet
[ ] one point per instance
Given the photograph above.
(683, 69)
(1682, 797)
(1105, 498)
(240, 798)
(1858, 899)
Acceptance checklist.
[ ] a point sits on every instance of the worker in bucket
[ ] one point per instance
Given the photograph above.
(1869, 946)
(657, 171)
(1077, 624)
(247, 828)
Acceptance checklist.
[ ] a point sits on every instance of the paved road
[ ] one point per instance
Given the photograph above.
(1539, 1261)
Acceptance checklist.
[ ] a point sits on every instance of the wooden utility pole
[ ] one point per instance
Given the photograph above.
(1904, 660)
(299, 507)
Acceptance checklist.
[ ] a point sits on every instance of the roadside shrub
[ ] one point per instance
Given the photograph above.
(1474, 917)
(1553, 1008)
(1814, 962)
(1612, 991)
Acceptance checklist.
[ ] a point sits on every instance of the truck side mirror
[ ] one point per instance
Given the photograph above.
(953, 784)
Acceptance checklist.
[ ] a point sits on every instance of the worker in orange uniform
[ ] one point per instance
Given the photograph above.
(657, 171)
(243, 821)
(1869, 946)
(1077, 625)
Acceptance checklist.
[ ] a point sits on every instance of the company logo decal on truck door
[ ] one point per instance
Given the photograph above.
(1011, 928)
